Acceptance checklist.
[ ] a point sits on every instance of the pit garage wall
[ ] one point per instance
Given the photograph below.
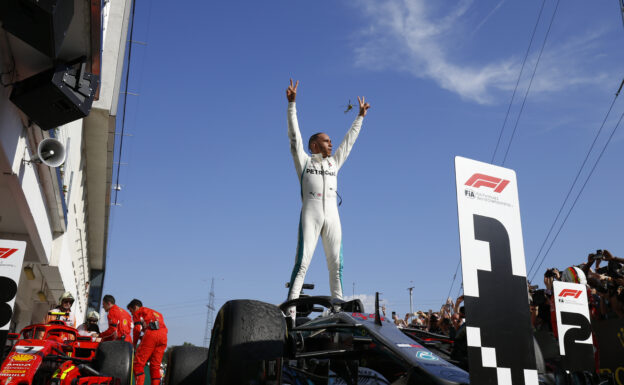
(19, 178)
(59, 260)
(23, 213)
(73, 257)
(73, 263)
(63, 266)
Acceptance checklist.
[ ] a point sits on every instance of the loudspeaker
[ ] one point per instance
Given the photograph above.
(50, 152)
(41, 24)
(58, 95)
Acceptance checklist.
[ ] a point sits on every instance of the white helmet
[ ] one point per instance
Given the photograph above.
(67, 295)
(93, 314)
(574, 274)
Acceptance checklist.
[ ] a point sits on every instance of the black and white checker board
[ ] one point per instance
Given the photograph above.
(498, 321)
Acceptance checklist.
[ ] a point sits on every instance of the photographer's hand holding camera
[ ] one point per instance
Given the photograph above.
(549, 276)
(608, 283)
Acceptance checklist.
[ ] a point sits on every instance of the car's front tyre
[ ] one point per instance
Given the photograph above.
(247, 343)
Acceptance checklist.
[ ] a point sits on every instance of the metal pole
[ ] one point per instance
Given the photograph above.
(411, 307)
(353, 290)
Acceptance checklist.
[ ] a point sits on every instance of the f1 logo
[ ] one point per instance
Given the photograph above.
(478, 180)
(6, 252)
(570, 293)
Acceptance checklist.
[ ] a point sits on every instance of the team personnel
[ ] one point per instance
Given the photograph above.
(90, 328)
(63, 310)
(319, 213)
(150, 334)
(119, 321)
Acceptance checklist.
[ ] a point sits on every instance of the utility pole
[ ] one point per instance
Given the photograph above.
(411, 307)
(209, 316)
(353, 292)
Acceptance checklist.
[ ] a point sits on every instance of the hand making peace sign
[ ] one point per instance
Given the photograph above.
(363, 106)
(291, 91)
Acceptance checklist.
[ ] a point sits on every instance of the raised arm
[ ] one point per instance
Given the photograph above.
(610, 257)
(294, 135)
(344, 149)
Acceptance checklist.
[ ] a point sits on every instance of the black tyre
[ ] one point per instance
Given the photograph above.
(114, 359)
(247, 344)
(188, 365)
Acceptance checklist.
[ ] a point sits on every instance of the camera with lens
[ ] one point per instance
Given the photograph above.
(551, 273)
(597, 255)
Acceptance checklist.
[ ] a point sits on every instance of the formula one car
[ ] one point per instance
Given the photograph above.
(252, 343)
(54, 353)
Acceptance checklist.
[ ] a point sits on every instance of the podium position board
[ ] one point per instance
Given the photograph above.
(574, 326)
(11, 259)
(498, 321)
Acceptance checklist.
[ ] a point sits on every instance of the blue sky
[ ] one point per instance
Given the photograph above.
(210, 189)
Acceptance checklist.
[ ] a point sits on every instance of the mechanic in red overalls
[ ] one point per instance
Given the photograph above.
(150, 340)
(119, 321)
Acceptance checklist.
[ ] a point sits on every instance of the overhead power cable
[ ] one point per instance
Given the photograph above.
(453, 280)
(578, 173)
(123, 119)
(500, 135)
(552, 19)
(579, 194)
(526, 55)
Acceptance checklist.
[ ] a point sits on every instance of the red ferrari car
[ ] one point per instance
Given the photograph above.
(54, 353)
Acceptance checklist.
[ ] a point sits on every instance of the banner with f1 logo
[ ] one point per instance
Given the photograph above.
(11, 259)
(573, 326)
(498, 322)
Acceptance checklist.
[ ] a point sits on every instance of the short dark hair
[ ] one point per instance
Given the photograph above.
(313, 139)
(109, 299)
(135, 302)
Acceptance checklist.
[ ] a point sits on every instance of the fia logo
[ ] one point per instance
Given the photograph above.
(469, 193)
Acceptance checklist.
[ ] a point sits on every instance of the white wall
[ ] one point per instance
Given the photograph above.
(63, 258)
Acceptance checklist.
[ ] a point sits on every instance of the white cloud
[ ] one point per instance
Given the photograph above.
(407, 35)
(485, 19)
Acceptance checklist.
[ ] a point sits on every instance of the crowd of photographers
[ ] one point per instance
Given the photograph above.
(605, 289)
(602, 273)
(445, 322)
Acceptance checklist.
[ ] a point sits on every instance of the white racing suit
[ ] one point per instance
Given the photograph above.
(319, 211)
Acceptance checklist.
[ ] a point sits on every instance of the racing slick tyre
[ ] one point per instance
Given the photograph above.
(247, 344)
(114, 359)
(188, 365)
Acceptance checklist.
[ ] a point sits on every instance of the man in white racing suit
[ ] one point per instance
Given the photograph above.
(319, 213)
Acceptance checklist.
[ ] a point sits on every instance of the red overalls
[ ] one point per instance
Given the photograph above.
(152, 345)
(119, 325)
